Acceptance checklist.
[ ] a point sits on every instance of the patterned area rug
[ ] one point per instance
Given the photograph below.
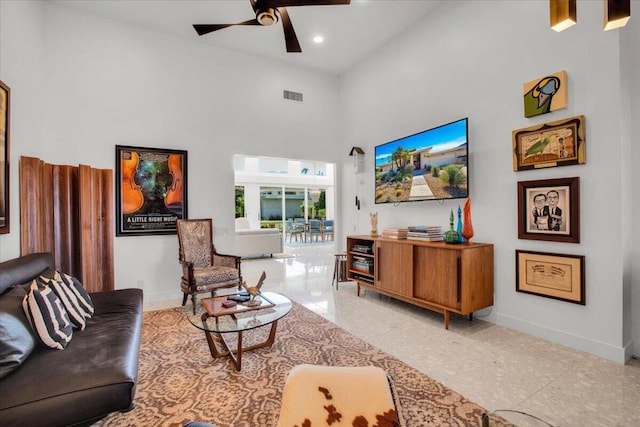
(179, 380)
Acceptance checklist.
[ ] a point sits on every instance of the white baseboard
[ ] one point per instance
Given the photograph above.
(617, 354)
(162, 295)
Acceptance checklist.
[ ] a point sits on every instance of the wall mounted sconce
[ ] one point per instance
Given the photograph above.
(616, 13)
(562, 14)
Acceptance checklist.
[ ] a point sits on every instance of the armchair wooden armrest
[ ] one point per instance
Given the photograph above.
(187, 269)
(225, 259)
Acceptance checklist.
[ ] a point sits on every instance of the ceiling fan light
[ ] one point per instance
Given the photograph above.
(616, 13)
(267, 17)
(562, 14)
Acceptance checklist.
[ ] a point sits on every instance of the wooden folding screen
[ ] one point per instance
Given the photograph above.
(68, 211)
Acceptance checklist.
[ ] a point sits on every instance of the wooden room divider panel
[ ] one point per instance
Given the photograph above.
(68, 211)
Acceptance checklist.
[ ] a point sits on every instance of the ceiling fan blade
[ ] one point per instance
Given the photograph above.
(289, 3)
(290, 38)
(203, 29)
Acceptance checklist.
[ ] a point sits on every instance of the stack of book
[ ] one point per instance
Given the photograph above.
(395, 233)
(363, 249)
(428, 233)
(362, 264)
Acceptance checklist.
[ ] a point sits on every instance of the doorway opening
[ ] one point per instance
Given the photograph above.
(295, 196)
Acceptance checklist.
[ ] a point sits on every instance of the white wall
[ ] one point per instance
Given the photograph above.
(21, 51)
(95, 83)
(631, 51)
(470, 59)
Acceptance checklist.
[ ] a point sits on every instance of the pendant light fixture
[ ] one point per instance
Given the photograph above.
(562, 14)
(616, 13)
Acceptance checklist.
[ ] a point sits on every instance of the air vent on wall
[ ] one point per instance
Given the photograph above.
(293, 96)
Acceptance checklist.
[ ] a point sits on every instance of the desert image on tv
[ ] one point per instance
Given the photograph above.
(429, 165)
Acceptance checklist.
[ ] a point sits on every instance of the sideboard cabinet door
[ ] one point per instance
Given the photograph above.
(397, 275)
(437, 276)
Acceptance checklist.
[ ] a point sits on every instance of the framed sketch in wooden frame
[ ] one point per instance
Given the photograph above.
(549, 209)
(559, 143)
(557, 276)
(151, 190)
(5, 104)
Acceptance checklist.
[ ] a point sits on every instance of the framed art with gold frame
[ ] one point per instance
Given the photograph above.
(559, 143)
(557, 276)
(5, 109)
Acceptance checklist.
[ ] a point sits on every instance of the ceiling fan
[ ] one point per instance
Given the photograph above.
(268, 13)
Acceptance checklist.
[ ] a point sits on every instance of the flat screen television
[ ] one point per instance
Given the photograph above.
(429, 165)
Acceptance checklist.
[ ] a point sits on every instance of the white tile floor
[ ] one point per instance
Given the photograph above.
(493, 366)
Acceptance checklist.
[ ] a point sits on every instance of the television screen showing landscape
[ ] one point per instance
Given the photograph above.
(430, 165)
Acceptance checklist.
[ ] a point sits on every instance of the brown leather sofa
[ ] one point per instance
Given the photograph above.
(94, 375)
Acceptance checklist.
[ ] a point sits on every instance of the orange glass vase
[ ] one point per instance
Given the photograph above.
(467, 228)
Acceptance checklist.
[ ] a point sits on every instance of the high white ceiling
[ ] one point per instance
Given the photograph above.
(351, 32)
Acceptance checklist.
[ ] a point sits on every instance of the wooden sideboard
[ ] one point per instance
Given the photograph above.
(437, 276)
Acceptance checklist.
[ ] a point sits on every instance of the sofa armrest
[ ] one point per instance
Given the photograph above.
(24, 269)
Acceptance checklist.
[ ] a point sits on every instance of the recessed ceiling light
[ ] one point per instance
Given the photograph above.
(318, 39)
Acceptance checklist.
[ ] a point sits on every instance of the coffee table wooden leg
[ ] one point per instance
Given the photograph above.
(236, 355)
(268, 342)
(212, 346)
(272, 335)
(446, 319)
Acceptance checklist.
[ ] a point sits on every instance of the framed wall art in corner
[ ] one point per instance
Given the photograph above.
(151, 190)
(557, 276)
(5, 104)
(549, 209)
(559, 143)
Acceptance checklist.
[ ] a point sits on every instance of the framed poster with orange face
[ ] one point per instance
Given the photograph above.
(151, 190)
(5, 98)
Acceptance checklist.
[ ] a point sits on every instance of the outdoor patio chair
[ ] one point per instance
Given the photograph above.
(315, 229)
(327, 229)
(291, 230)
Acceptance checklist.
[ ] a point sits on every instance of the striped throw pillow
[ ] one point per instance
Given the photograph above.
(69, 301)
(84, 300)
(47, 316)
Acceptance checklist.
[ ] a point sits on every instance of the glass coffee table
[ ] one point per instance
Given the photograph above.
(217, 321)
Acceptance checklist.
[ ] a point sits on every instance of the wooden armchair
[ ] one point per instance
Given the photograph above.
(203, 268)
